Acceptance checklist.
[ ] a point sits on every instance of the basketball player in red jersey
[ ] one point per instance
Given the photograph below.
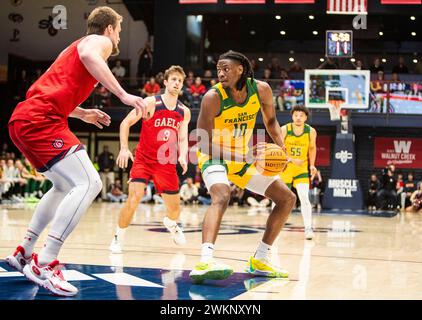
(39, 128)
(162, 134)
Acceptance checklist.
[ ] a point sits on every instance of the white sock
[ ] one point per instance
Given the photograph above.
(305, 204)
(263, 251)
(207, 251)
(50, 251)
(120, 234)
(169, 222)
(29, 242)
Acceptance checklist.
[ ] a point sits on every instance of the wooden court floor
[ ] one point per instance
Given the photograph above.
(352, 256)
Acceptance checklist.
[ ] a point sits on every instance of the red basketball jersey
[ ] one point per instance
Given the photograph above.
(63, 87)
(158, 141)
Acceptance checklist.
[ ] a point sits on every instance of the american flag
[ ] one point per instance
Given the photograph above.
(347, 6)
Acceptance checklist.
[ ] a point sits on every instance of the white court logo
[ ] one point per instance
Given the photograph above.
(402, 146)
(344, 155)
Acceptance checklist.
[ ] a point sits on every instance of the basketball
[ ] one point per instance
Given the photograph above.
(272, 161)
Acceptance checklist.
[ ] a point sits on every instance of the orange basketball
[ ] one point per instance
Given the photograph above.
(273, 161)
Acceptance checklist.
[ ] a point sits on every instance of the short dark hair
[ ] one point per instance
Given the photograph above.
(244, 61)
(300, 108)
(100, 18)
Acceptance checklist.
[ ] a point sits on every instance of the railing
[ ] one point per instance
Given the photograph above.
(403, 97)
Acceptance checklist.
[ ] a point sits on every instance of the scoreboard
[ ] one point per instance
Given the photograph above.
(339, 44)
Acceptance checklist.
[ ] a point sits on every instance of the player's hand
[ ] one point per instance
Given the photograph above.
(313, 170)
(123, 158)
(297, 162)
(256, 152)
(136, 102)
(96, 117)
(183, 163)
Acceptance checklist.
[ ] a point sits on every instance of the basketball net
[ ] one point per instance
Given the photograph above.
(335, 109)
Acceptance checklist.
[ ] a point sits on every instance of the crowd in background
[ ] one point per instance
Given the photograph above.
(19, 181)
(392, 190)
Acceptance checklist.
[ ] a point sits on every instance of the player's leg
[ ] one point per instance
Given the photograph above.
(284, 200)
(136, 192)
(172, 203)
(42, 216)
(215, 178)
(78, 171)
(305, 207)
(166, 182)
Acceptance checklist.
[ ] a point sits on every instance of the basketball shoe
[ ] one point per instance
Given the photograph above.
(264, 268)
(309, 234)
(176, 232)
(18, 260)
(115, 246)
(49, 277)
(211, 270)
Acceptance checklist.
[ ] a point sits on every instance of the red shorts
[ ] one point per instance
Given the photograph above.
(165, 177)
(43, 143)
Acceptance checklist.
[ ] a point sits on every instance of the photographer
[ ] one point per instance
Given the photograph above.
(387, 196)
(416, 201)
(374, 187)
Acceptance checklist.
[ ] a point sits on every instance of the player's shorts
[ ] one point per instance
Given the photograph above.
(165, 177)
(294, 175)
(43, 143)
(242, 174)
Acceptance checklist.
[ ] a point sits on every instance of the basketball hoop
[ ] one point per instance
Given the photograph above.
(335, 109)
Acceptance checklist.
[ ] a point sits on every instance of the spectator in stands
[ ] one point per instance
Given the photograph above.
(159, 78)
(400, 67)
(317, 187)
(408, 189)
(236, 195)
(144, 63)
(198, 177)
(376, 67)
(374, 187)
(284, 75)
(399, 186)
(329, 64)
(378, 85)
(115, 193)
(102, 97)
(387, 196)
(395, 77)
(416, 201)
(275, 67)
(151, 88)
(15, 182)
(255, 66)
(119, 71)
(207, 79)
(358, 65)
(255, 200)
(204, 196)
(4, 149)
(22, 86)
(197, 91)
(106, 162)
(189, 192)
(296, 67)
(191, 76)
(267, 76)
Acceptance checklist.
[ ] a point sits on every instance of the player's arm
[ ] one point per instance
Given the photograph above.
(132, 118)
(93, 116)
(268, 113)
(94, 52)
(312, 152)
(210, 107)
(183, 140)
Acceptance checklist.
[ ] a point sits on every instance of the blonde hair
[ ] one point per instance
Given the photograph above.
(174, 69)
(100, 18)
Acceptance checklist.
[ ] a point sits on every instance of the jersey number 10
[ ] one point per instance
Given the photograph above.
(240, 130)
